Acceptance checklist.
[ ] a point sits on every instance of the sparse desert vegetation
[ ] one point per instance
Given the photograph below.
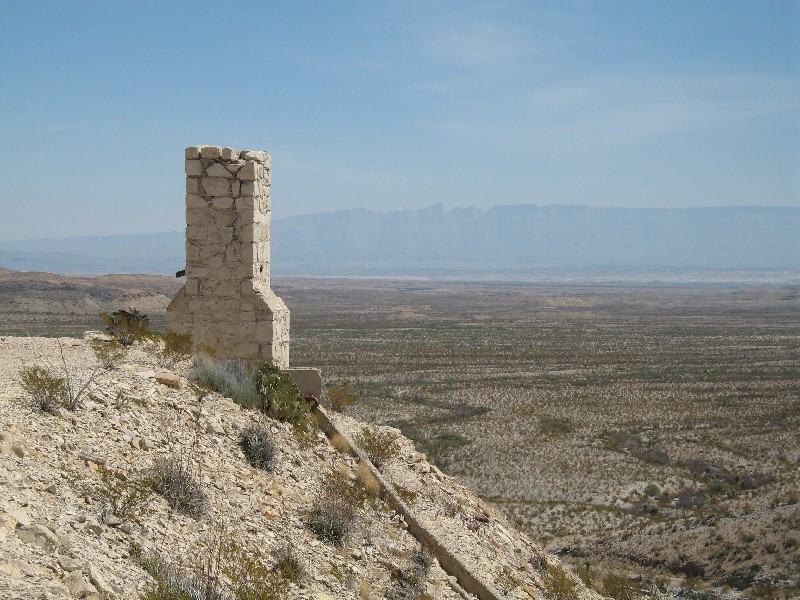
(647, 434)
(650, 432)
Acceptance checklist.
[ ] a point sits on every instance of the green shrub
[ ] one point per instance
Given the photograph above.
(231, 378)
(408, 581)
(288, 565)
(380, 446)
(126, 326)
(125, 497)
(331, 520)
(555, 425)
(109, 353)
(333, 514)
(55, 386)
(48, 390)
(440, 445)
(507, 580)
(222, 571)
(257, 445)
(174, 582)
(280, 398)
(171, 348)
(250, 578)
(560, 586)
(340, 397)
(652, 490)
(621, 588)
(174, 480)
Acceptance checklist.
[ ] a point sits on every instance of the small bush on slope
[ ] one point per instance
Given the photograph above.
(126, 326)
(333, 514)
(257, 445)
(48, 390)
(174, 480)
(280, 397)
(54, 386)
(231, 378)
(380, 446)
(223, 571)
(171, 348)
(109, 353)
(340, 397)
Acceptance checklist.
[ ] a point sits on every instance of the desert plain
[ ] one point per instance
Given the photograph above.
(645, 430)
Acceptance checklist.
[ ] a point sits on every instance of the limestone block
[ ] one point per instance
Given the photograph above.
(168, 378)
(197, 216)
(218, 170)
(192, 152)
(192, 286)
(206, 251)
(248, 233)
(247, 350)
(251, 188)
(223, 234)
(210, 152)
(256, 155)
(249, 254)
(235, 187)
(245, 204)
(196, 232)
(233, 167)
(228, 305)
(194, 168)
(222, 202)
(77, 585)
(224, 218)
(192, 252)
(308, 381)
(264, 331)
(195, 201)
(250, 170)
(229, 153)
(216, 186)
(192, 185)
(246, 271)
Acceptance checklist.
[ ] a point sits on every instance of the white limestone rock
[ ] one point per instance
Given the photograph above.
(194, 168)
(210, 152)
(249, 171)
(229, 153)
(218, 170)
(216, 186)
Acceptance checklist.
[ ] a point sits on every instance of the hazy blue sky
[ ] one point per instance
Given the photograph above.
(393, 105)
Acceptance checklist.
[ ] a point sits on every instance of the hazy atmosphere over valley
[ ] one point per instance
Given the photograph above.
(409, 300)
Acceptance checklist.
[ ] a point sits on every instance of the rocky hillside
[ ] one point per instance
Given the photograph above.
(47, 293)
(79, 517)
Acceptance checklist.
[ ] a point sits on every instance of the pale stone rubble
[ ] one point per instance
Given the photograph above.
(227, 303)
(57, 542)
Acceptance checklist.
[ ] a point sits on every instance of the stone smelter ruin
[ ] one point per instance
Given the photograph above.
(226, 303)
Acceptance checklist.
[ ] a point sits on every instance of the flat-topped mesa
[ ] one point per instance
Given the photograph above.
(226, 303)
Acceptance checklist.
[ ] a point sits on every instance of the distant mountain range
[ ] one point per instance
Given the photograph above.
(503, 240)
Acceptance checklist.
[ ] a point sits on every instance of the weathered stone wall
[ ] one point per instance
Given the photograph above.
(226, 302)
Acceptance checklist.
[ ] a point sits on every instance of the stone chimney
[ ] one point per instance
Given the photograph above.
(226, 303)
